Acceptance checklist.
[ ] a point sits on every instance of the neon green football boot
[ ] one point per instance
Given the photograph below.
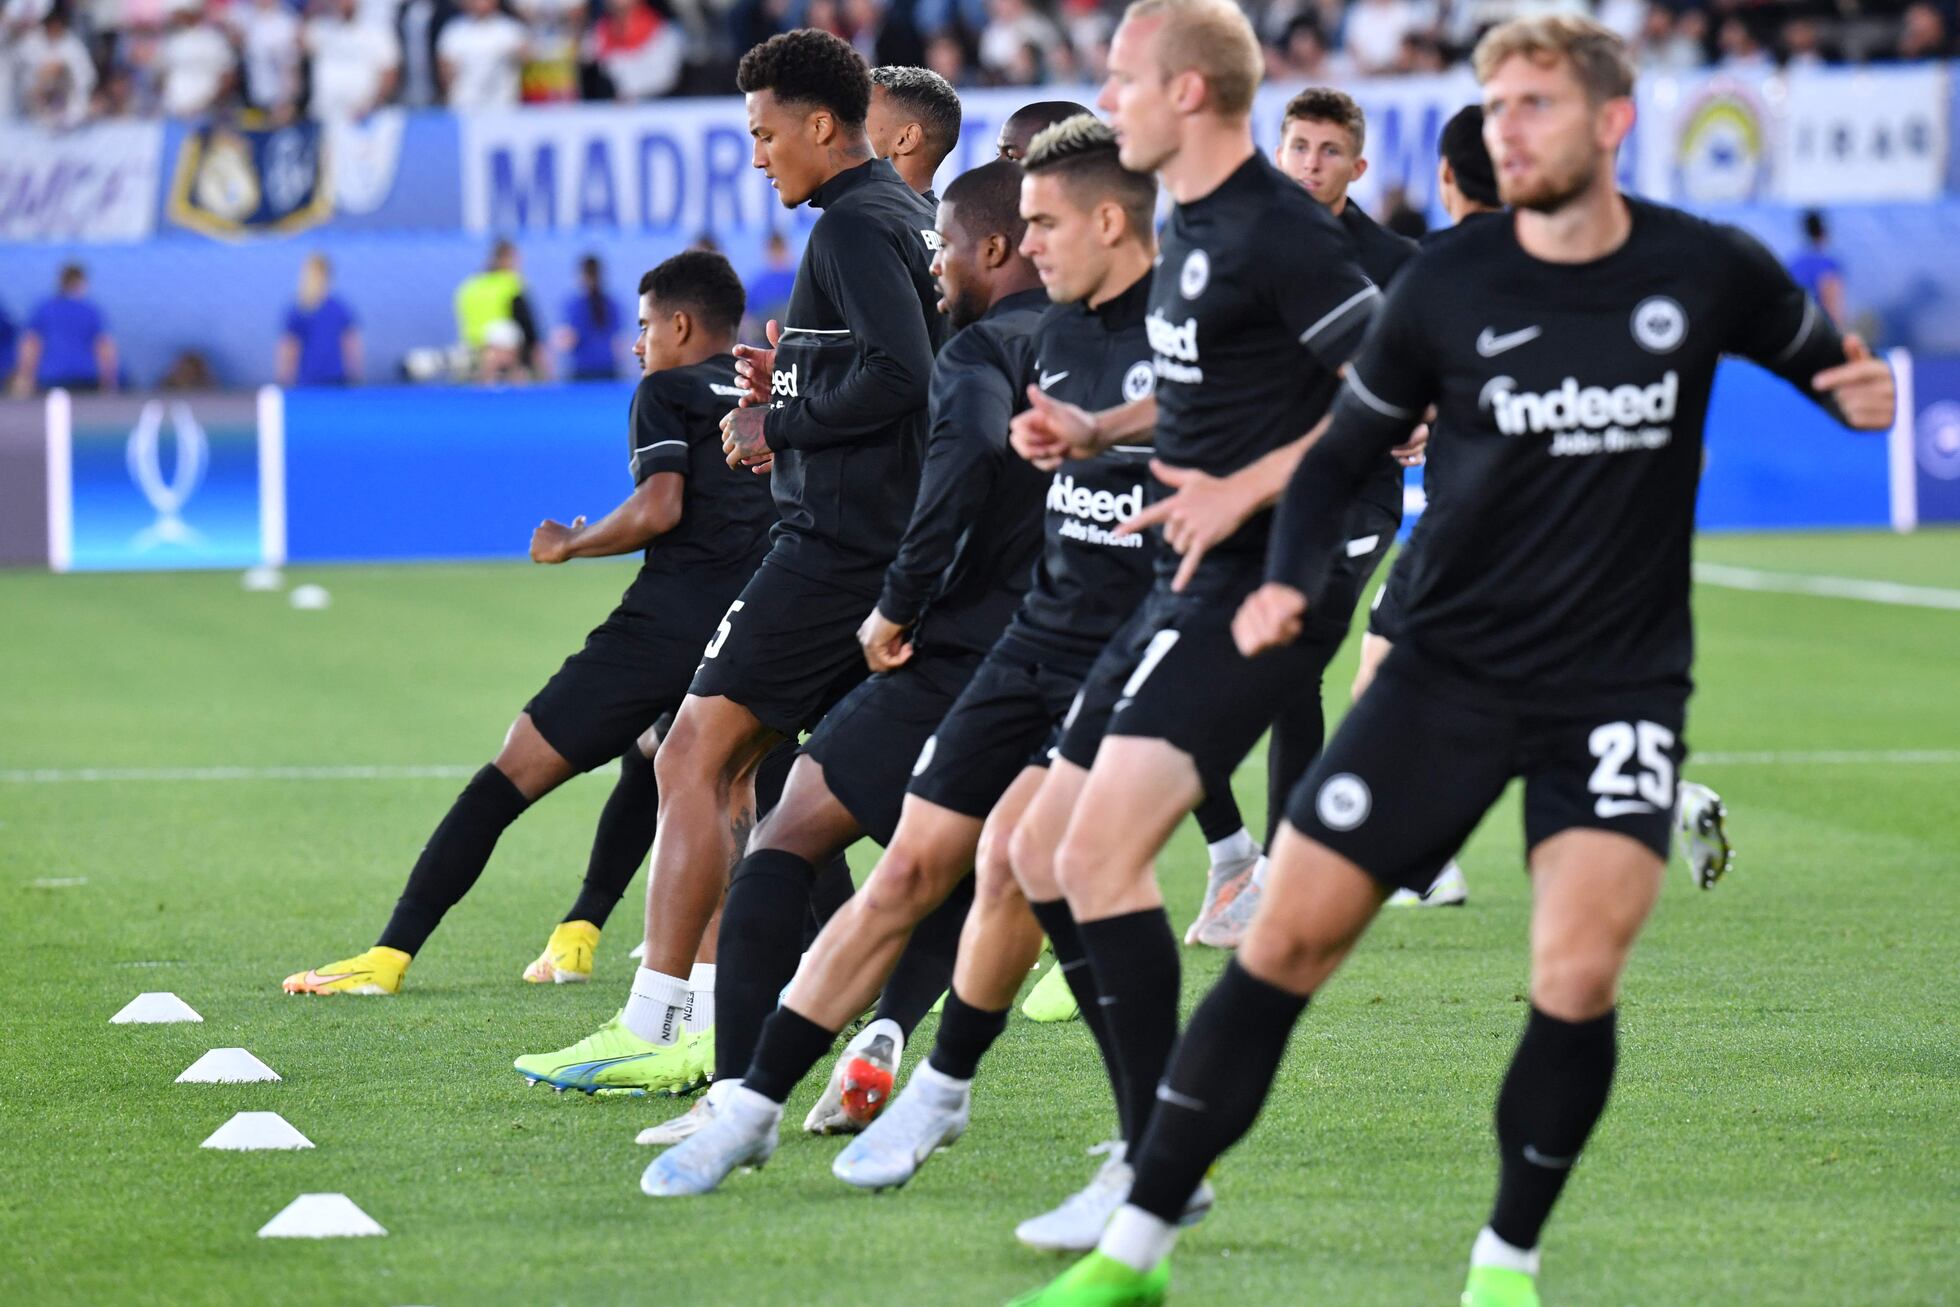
(1101, 1281)
(1051, 999)
(614, 1060)
(1494, 1286)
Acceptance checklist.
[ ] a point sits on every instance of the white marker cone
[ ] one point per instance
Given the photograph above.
(250, 1131)
(226, 1066)
(639, 951)
(320, 1216)
(148, 1009)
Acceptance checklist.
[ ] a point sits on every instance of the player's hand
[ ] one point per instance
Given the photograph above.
(1050, 431)
(1414, 451)
(1201, 511)
(1271, 616)
(742, 438)
(552, 541)
(1862, 385)
(756, 365)
(885, 645)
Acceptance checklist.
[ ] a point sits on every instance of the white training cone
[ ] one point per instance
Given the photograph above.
(250, 1131)
(148, 1009)
(320, 1216)
(226, 1066)
(639, 951)
(309, 598)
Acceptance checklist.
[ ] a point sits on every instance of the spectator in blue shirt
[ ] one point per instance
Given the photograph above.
(1817, 270)
(321, 345)
(592, 327)
(66, 343)
(769, 292)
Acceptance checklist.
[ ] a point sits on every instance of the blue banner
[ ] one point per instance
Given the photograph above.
(1936, 439)
(167, 482)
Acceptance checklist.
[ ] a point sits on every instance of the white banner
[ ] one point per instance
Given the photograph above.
(1813, 136)
(97, 183)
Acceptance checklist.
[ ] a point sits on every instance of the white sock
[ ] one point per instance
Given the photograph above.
(1137, 1239)
(1489, 1250)
(657, 1007)
(1236, 847)
(747, 1102)
(1259, 870)
(942, 1085)
(700, 998)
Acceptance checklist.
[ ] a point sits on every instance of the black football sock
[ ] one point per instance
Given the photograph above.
(1219, 816)
(757, 950)
(965, 1035)
(790, 1045)
(454, 857)
(1136, 965)
(1065, 938)
(1552, 1097)
(1218, 1080)
(925, 968)
(831, 892)
(620, 845)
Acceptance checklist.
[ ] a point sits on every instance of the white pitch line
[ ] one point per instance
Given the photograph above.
(61, 776)
(1828, 587)
(1829, 758)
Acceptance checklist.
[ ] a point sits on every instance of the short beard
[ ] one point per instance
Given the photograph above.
(1550, 196)
(965, 310)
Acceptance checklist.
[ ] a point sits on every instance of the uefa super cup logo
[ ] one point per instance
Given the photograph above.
(191, 452)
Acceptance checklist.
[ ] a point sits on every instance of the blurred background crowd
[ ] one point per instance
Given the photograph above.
(63, 62)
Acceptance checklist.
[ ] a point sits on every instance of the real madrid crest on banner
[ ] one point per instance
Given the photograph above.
(233, 181)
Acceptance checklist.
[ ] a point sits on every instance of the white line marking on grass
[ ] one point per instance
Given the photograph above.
(1829, 587)
(62, 776)
(1829, 758)
(57, 882)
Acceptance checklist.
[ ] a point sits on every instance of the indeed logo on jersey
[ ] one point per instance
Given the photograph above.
(1176, 348)
(1086, 512)
(1588, 419)
(783, 383)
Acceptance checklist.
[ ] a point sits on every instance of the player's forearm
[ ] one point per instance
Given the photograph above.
(1265, 481)
(1131, 422)
(952, 491)
(626, 530)
(1335, 459)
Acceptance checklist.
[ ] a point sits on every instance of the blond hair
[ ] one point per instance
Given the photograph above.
(1598, 57)
(1212, 39)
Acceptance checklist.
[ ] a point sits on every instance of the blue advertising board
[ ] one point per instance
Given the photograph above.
(1936, 439)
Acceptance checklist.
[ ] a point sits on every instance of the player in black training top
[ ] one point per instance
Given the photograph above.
(1569, 351)
(1256, 302)
(839, 405)
(913, 122)
(703, 526)
(967, 557)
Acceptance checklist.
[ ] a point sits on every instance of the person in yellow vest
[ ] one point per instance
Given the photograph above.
(496, 295)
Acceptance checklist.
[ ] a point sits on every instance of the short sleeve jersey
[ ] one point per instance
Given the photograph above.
(726, 513)
(1256, 303)
(1570, 405)
(1088, 580)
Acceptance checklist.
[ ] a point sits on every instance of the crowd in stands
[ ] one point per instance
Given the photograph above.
(65, 61)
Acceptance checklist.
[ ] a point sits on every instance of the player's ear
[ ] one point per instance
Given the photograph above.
(1615, 121)
(1360, 170)
(910, 139)
(1111, 223)
(1189, 93)
(821, 126)
(683, 326)
(999, 249)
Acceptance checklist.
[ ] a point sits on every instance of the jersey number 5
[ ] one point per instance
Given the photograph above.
(1644, 743)
(720, 636)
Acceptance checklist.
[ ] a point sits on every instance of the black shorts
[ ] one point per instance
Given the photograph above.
(1174, 673)
(1425, 753)
(786, 649)
(1007, 719)
(1370, 535)
(633, 669)
(870, 741)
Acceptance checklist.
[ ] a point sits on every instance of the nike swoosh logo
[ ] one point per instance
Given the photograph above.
(1050, 378)
(1490, 344)
(1536, 1158)
(1165, 1094)
(1621, 808)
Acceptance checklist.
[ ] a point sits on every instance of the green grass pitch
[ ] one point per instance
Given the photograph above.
(1783, 1130)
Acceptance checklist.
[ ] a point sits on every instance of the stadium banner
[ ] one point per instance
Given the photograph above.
(404, 472)
(394, 170)
(1775, 461)
(1811, 136)
(95, 183)
(153, 482)
(1935, 436)
(23, 483)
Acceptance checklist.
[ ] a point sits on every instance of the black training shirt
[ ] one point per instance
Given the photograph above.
(674, 425)
(1088, 581)
(1570, 403)
(1256, 303)
(848, 391)
(975, 533)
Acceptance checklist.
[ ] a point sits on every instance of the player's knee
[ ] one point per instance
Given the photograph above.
(1280, 952)
(1573, 984)
(902, 886)
(993, 868)
(1080, 867)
